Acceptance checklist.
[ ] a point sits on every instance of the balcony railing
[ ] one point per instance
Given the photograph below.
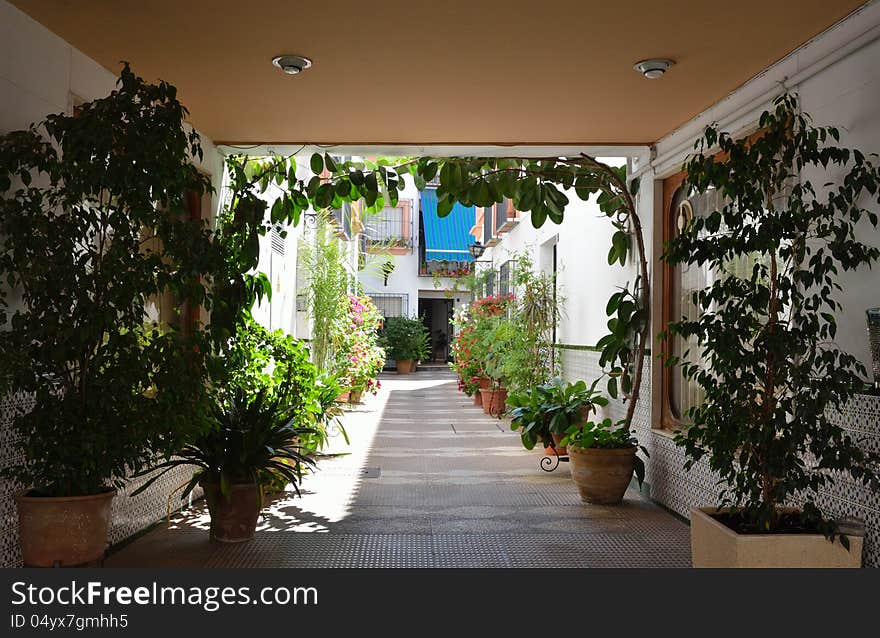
(390, 229)
(445, 268)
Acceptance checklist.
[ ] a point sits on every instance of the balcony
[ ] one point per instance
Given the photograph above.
(390, 231)
(444, 268)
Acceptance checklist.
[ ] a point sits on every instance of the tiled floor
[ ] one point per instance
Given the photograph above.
(429, 482)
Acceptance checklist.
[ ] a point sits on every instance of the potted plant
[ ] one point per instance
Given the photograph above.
(501, 341)
(406, 341)
(94, 231)
(254, 440)
(545, 413)
(355, 338)
(768, 367)
(603, 460)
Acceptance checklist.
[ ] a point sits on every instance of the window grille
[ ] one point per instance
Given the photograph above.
(504, 276)
(391, 304)
(391, 227)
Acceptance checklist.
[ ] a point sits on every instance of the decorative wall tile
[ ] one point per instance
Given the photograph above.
(130, 515)
(680, 490)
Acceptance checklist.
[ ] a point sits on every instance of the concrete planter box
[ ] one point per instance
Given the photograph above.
(713, 544)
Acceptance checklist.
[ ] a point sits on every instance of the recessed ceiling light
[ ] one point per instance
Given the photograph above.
(292, 64)
(654, 68)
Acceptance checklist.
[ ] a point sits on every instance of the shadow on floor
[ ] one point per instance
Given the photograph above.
(449, 488)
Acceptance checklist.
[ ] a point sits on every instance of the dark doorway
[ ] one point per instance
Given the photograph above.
(436, 314)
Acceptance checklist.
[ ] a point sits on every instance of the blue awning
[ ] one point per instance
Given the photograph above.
(447, 238)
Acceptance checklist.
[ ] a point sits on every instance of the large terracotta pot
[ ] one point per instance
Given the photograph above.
(484, 383)
(405, 366)
(233, 519)
(602, 476)
(494, 401)
(478, 398)
(355, 396)
(63, 530)
(560, 450)
(343, 397)
(715, 545)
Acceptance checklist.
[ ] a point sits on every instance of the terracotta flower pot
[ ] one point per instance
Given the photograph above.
(343, 397)
(494, 401)
(478, 398)
(602, 476)
(560, 450)
(355, 396)
(405, 366)
(485, 383)
(63, 530)
(233, 519)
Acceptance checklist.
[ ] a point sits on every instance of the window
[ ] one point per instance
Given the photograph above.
(488, 229)
(504, 274)
(680, 283)
(391, 228)
(391, 305)
(501, 213)
(342, 217)
(490, 283)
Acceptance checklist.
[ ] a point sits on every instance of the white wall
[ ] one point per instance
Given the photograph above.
(847, 95)
(585, 280)
(838, 79)
(41, 74)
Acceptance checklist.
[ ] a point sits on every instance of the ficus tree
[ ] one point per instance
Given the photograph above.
(536, 185)
(93, 229)
(764, 352)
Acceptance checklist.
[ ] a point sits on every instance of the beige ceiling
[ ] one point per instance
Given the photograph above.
(453, 71)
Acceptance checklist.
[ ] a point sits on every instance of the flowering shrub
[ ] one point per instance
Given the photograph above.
(355, 339)
(469, 348)
(491, 306)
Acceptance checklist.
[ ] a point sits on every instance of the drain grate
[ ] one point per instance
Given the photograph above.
(371, 472)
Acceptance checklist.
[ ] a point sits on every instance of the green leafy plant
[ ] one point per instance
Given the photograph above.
(253, 439)
(405, 338)
(764, 354)
(94, 229)
(535, 185)
(328, 286)
(606, 435)
(552, 408)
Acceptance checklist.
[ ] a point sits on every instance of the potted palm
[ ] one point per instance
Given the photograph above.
(94, 231)
(767, 363)
(406, 341)
(253, 442)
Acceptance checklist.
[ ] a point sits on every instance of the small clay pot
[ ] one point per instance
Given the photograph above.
(343, 397)
(63, 531)
(355, 396)
(494, 401)
(233, 518)
(405, 366)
